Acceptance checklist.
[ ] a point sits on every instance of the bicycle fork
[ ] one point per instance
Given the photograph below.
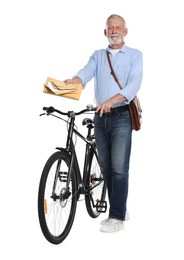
(63, 177)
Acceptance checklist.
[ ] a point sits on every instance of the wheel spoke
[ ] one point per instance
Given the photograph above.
(95, 185)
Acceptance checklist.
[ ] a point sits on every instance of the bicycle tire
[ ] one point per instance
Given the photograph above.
(56, 212)
(92, 177)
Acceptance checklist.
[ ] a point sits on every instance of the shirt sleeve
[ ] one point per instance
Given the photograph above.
(88, 72)
(134, 80)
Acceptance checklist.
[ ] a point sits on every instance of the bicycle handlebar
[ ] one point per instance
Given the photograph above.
(49, 110)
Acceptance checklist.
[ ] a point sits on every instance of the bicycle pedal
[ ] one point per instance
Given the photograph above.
(101, 206)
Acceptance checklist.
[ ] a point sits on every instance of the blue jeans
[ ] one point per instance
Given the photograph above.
(113, 135)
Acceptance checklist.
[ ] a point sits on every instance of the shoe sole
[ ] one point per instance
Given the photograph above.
(110, 231)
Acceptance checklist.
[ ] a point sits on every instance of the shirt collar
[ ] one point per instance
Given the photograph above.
(123, 48)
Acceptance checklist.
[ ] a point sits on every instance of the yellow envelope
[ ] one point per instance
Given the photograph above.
(61, 89)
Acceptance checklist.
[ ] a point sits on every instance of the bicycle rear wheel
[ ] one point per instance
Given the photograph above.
(94, 182)
(56, 203)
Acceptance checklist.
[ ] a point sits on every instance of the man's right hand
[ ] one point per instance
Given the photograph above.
(73, 81)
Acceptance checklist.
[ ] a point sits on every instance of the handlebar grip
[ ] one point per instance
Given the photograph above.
(49, 109)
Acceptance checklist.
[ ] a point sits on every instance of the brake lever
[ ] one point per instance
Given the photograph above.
(43, 114)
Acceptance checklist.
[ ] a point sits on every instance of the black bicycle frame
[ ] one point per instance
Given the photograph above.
(73, 157)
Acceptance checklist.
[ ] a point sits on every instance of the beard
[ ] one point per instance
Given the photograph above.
(115, 42)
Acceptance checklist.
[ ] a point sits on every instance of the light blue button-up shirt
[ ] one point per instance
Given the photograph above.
(127, 65)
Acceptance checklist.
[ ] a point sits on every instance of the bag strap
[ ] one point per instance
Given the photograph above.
(112, 71)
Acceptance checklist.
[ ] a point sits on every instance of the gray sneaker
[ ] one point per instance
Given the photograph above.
(112, 225)
(103, 222)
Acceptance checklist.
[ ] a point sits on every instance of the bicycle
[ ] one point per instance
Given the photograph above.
(61, 182)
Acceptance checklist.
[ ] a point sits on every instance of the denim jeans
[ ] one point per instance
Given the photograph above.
(113, 135)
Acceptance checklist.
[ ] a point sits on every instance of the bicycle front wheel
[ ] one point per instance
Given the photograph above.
(95, 185)
(57, 202)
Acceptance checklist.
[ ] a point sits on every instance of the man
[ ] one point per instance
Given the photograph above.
(112, 119)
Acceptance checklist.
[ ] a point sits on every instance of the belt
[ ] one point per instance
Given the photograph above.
(117, 110)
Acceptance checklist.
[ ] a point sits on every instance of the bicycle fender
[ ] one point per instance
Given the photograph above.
(62, 150)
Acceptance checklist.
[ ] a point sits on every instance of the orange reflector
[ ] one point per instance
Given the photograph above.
(45, 206)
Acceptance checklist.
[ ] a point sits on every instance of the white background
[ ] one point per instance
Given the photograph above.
(55, 38)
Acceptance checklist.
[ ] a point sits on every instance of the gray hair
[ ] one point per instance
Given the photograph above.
(116, 16)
